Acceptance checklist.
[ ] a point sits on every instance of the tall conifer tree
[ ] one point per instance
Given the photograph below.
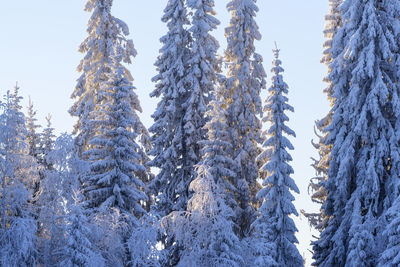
(363, 133)
(170, 149)
(274, 229)
(333, 22)
(105, 32)
(18, 171)
(33, 136)
(243, 84)
(202, 78)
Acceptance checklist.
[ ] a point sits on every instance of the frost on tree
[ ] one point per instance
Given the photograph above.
(243, 84)
(201, 77)
(205, 232)
(321, 165)
(47, 142)
(117, 175)
(216, 150)
(391, 254)
(78, 251)
(106, 34)
(117, 157)
(33, 139)
(56, 198)
(172, 153)
(17, 171)
(206, 229)
(273, 229)
(363, 133)
(33, 136)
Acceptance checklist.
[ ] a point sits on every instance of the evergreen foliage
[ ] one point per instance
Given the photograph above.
(106, 35)
(117, 173)
(318, 220)
(242, 87)
(363, 131)
(170, 149)
(273, 228)
(18, 172)
(206, 229)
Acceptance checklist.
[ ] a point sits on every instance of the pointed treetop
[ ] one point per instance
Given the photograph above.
(276, 51)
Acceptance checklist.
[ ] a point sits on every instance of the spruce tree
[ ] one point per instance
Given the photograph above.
(105, 33)
(202, 78)
(391, 254)
(117, 157)
(318, 220)
(55, 199)
(170, 149)
(243, 84)
(206, 229)
(47, 141)
(18, 171)
(33, 136)
(273, 225)
(78, 251)
(205, 232)
(363, 131)
(118, 174)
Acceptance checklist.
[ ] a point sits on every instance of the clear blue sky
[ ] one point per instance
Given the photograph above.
(39, 42)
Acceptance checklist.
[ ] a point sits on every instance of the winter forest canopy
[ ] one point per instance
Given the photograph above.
(210, 178)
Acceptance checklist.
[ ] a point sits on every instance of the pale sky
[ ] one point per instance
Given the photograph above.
(39, 42)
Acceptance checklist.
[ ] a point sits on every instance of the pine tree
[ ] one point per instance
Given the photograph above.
(216, 150)
(363, 133)
(18, 170)
(79, 251)
(202, 77)
(206, 229)
(273, 225)
(243, 84)
(56, 197)
(47, 141)
(207, 237)
(117, 173)
(170, 149)
(143, 243)
(33, 137)
(390, 256)
(321, 165)
(106, 34)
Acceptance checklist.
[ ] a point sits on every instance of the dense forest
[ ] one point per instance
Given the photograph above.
(210, 183)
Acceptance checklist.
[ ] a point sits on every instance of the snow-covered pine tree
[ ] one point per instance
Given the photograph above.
(27, 168)
(78, 251)
(47, 141)
(318, 220)
(143, 243)
(209, 211)
(201, 77)
(390, 256)
(273, 226)
(206, 229)
(243, 84)
(216, 150)
(33, 136)
(117, 155)
(105, 33)
(56, 198)
(363, 132)
(170, 149)
(33, 140)
(18, 169)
